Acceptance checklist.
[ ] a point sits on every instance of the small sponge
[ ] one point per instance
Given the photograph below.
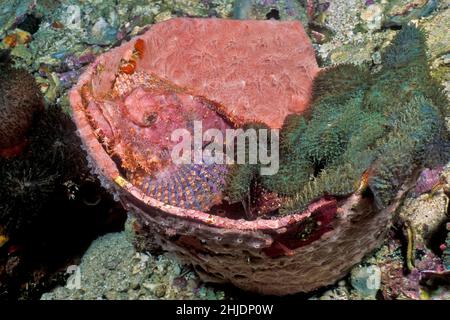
(20, 100)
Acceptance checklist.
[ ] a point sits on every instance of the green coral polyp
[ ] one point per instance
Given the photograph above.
(404, 148)
(339, 82)
(242, 175)
(389, 124)
(406, 49)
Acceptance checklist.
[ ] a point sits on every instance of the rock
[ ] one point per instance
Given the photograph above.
(425, 214)
(72, 18)
(339, 292)
(160, 291)
(111, 295)
(399, 12)
(163, 16)
(272, 9)
(362, 50)
(376, 58)
(112, 269)
(342, 17)
(103, 33)
(13, 11)
(437, 40)
(373, 17)
(366, 280)
(74, 281)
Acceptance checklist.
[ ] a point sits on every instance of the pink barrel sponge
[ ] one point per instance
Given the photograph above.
(259, 71)
(224, 73)
(229, 73)
(238, 64)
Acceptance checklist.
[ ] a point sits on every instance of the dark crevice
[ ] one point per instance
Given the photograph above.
(318, 167)
(437, 238)
(30, 24)
(273, 14)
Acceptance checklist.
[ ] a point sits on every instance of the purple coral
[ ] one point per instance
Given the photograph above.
(427, 180)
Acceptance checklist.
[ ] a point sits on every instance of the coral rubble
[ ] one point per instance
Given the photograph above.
(112, 269)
